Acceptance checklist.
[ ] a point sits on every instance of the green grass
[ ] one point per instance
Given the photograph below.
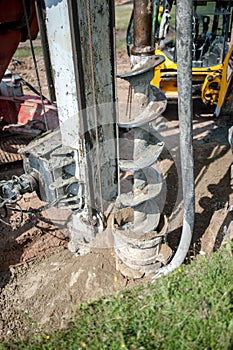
(122, 17)
(189, 309)
(23, 52)
(122, 20)
(120, 44)
(173, 18)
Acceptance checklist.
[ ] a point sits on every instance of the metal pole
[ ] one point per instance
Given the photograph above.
(142, 28)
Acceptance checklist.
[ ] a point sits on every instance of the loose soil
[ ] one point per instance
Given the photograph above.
(42, 282)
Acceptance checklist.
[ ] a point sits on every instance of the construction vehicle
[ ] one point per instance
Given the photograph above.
(79, 165)
(212, 52)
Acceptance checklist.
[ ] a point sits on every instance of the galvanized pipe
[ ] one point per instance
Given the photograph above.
(142, 21)
(184, 80)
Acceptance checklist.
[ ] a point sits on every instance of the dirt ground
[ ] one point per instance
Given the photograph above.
(42, 282)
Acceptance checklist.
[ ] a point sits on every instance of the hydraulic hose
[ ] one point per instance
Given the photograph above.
(184, 81)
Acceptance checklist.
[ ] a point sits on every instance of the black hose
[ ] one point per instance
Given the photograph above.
(184, 81)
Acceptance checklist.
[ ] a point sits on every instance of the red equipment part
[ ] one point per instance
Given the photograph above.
(27, 111)
(13, 28)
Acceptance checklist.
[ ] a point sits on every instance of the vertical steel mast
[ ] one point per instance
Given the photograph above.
(81, 45)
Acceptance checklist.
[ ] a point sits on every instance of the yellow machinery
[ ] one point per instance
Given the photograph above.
(212, 70)
(212, 52)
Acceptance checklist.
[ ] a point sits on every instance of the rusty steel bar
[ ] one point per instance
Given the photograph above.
(142, 28)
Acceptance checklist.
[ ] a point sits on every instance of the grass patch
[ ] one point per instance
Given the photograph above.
(23, 52)
(122, 20)
(122, 17)
(121, 44)
(173, 17)
(189, 309)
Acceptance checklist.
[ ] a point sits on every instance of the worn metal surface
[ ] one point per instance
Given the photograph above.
(138, 254)
(142, 28)
(96, 69)
(147, 102)
(82, 55)
(54, 166)
(59, 39)
(137, 244)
